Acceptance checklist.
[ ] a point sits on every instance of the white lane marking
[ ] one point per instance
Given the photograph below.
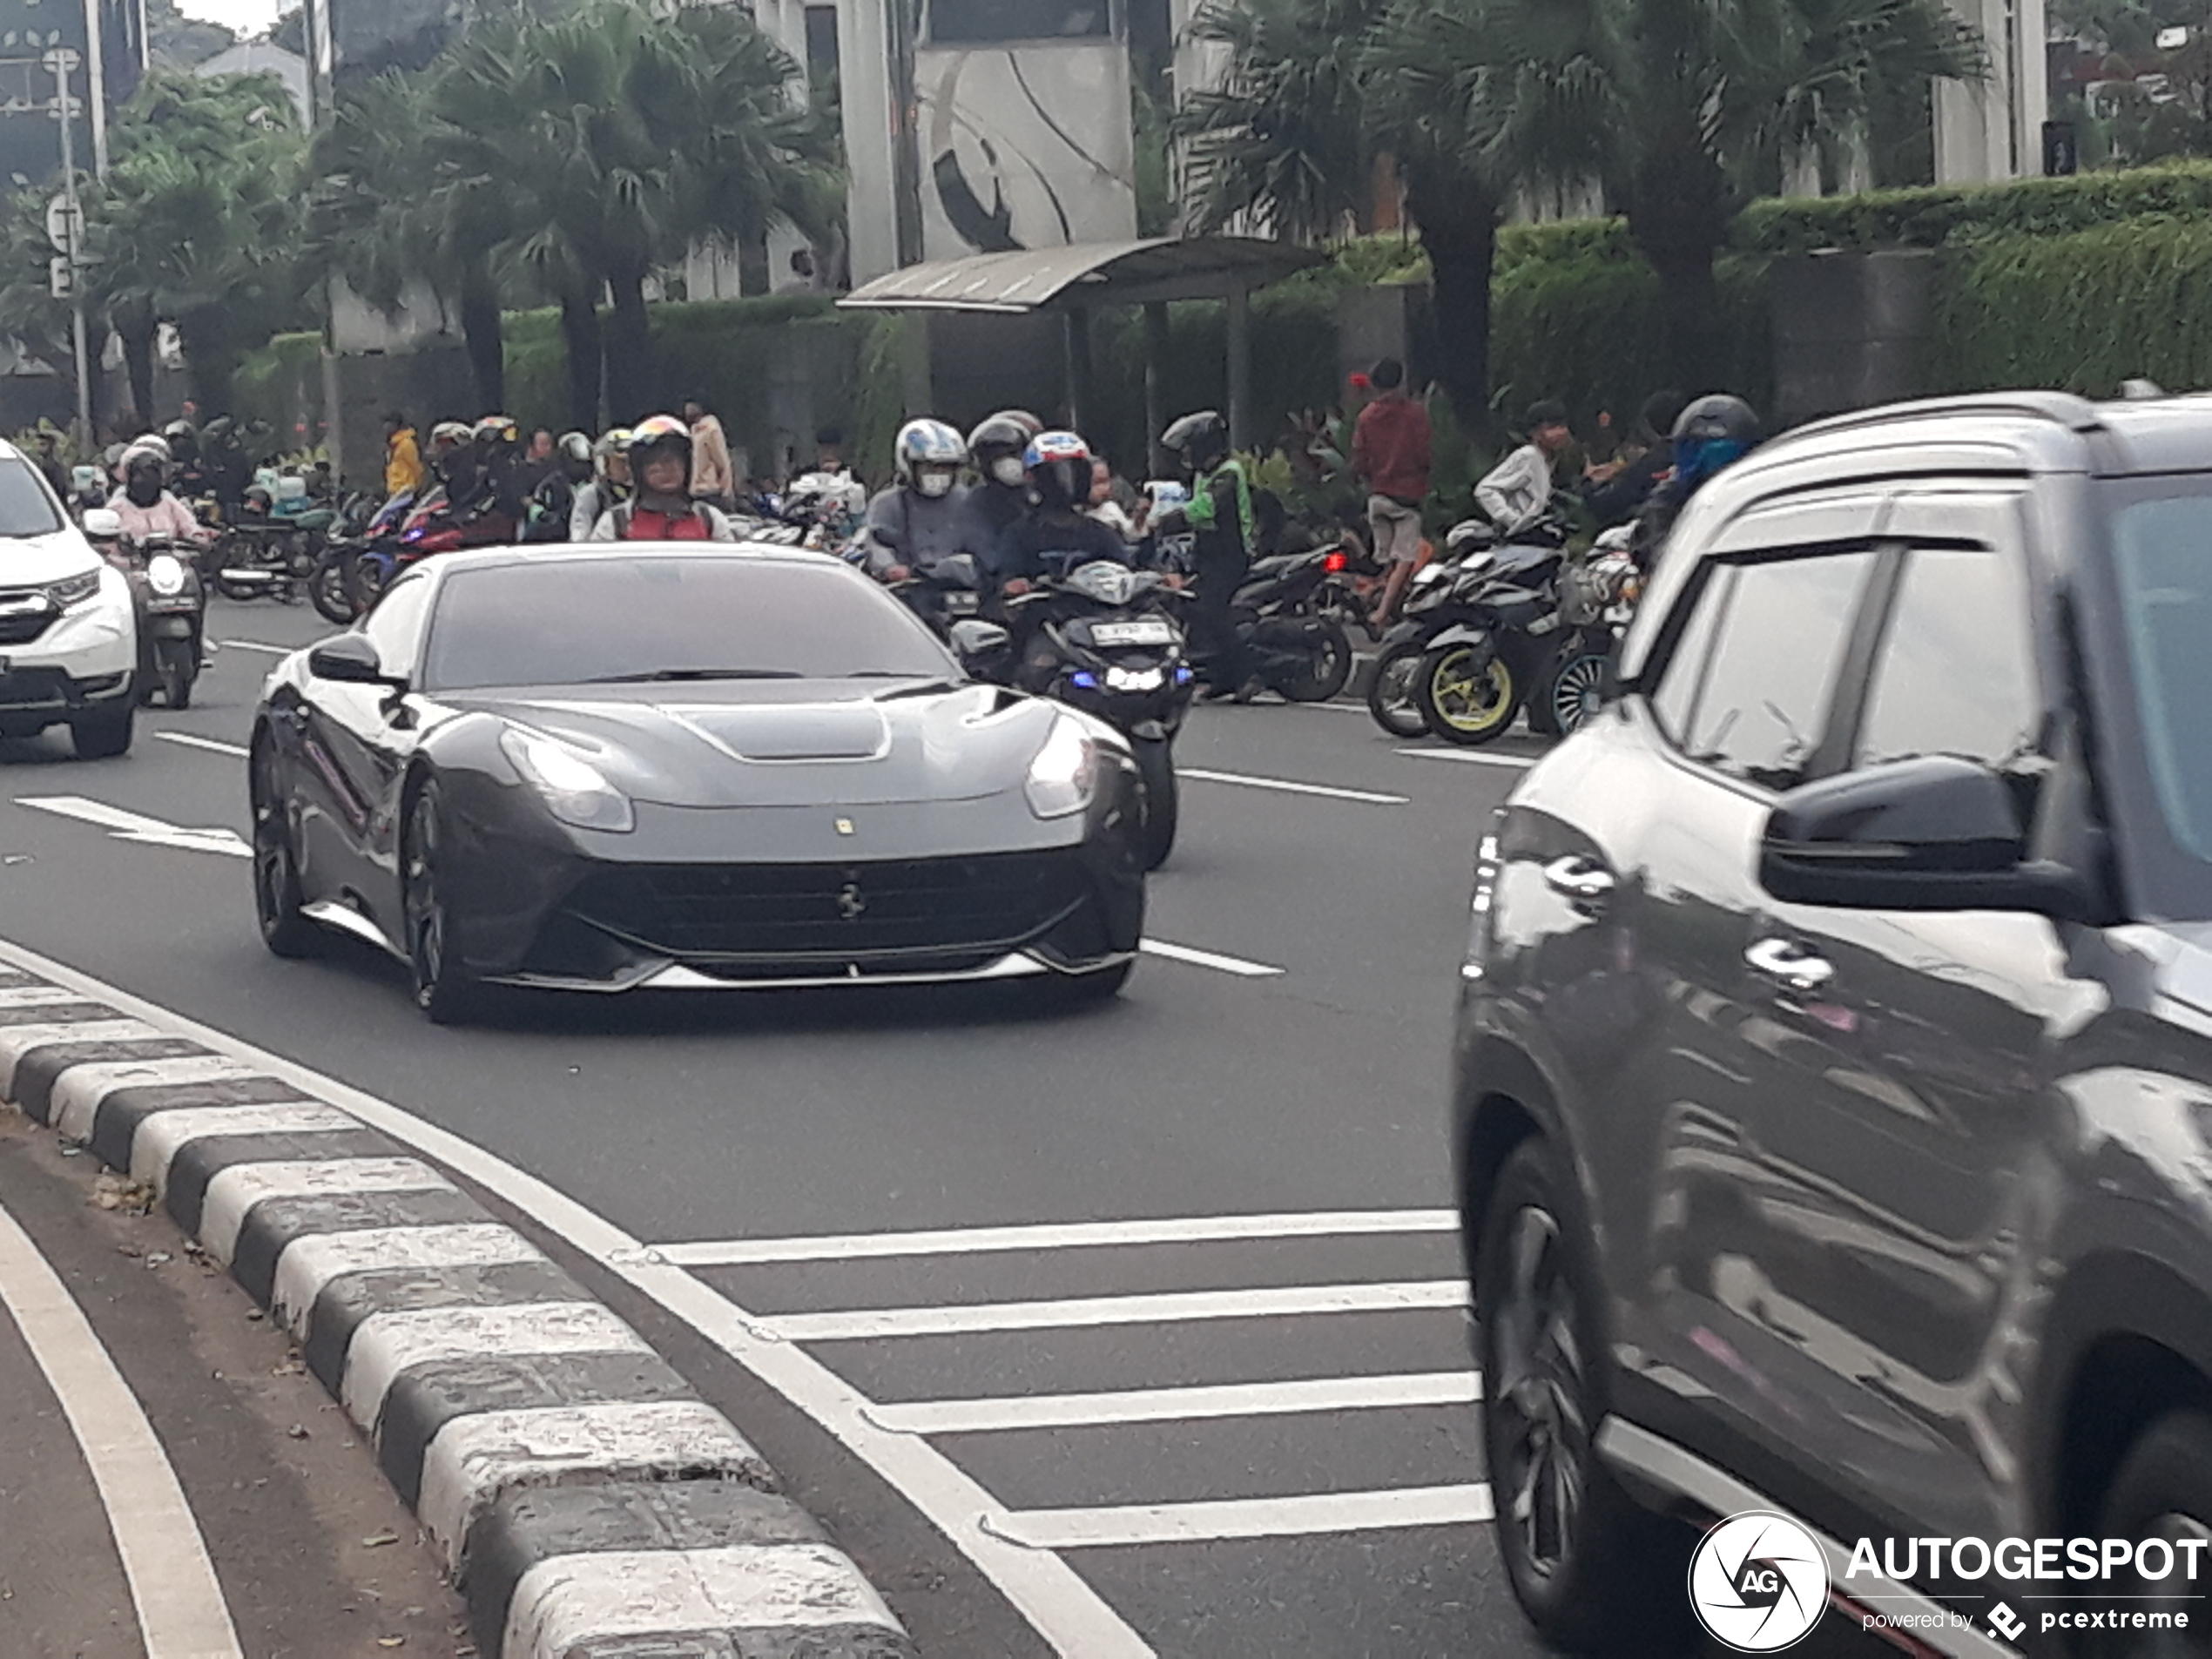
(34, 996)
(385, 1344)
(311, 1260)
(1519, 763)
(1058, 1602)
(236, 1189)
(475, 1458)
(255, 644)
(212, 745)
(136, 826)
(574, 1601)
(1156, 1307)
(1297, 1517)
(1057, 1234)
(1180, 1404)
(16, 1041)
(1285, 786)
(160, 1135)
(79, 1090)
(180, 1601)
(1235, 965)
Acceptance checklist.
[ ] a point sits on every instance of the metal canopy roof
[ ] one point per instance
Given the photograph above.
(1086, 273)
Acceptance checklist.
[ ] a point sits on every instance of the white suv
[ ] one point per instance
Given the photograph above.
(69, 628)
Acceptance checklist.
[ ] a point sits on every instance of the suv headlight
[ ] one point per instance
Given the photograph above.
(1064, 773)
(74, 590)
(573, 789)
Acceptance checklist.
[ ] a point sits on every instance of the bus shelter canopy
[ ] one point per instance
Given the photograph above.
(1148, 271)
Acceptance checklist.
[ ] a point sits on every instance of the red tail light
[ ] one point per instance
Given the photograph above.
(1336, 561)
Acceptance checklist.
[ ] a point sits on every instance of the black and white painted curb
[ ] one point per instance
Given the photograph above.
(588, 1503)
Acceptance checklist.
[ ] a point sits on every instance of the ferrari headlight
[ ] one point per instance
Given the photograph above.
(75, 589)
(1064, 774)
(166, 575)
(573, 789)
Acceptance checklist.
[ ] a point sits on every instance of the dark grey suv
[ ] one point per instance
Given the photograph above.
(1834, 1062)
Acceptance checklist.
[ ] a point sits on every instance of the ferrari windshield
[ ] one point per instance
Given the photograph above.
(691, 617)
(25, 508)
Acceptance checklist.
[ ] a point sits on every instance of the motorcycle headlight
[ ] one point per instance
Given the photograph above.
(573, 789)
(1135, 679)
(1064, 774)
(166, 575)
(75, 589)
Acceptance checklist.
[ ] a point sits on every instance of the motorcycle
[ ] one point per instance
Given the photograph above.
(330, 587)
(1597, 602)
(1100, 638)
(1501, 616)
(949, 591)
(172, 605)
(433, 528)
(1280, 612)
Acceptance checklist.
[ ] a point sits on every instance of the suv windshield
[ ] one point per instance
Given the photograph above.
(673, 617)
(2162, 565)
(25, 508)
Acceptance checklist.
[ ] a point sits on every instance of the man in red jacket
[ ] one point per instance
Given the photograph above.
(662, 507)
(1390, 454)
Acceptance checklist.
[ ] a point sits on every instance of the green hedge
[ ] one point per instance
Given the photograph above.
(1942, 215)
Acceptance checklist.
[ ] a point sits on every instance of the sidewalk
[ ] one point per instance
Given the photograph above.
(313, 1557)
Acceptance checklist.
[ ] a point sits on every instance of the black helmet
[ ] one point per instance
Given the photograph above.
(1200, 441)
(999, 434)
(1714, 433)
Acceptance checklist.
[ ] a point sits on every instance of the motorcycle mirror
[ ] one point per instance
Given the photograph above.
(976, 641)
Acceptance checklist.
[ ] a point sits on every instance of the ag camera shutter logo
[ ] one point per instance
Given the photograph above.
(1758, 1582)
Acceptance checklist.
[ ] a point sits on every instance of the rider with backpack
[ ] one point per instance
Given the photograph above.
(663, 509)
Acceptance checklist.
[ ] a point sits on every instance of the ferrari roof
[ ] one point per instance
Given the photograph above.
(1086, 273)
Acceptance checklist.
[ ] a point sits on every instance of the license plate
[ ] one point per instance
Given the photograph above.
(1145, 631)
(964, 605)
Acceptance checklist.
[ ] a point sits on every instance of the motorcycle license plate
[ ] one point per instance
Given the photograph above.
(1145, 631)
(962, 605)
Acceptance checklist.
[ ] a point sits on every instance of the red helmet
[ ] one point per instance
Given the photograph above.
(1059, 468)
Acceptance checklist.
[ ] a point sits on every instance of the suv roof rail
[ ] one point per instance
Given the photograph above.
(2075, 413)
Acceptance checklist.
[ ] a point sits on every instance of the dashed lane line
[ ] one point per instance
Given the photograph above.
(1518, 763)
(1238, 965)
(179, 1602)
(212, 745)
(973, 1318)
(255, 644)
(1288, 786)
(1295, 1517)
(1057, 1234)
(1305, 1394)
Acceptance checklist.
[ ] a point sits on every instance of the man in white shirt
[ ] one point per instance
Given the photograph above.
(1515, 493)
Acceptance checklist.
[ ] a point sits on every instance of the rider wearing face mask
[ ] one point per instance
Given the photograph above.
(1001, 497)
(1058, 465)
(924, 516)
(145, 506)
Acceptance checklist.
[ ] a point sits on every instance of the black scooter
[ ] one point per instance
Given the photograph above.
(172, 605)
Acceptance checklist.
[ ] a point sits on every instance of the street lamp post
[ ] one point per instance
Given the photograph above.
(61, 62)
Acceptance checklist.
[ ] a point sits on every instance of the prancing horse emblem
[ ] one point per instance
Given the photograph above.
(850, 904)
(844, 826)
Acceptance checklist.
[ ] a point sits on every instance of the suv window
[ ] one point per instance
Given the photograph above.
(1955, 673)
(1780, 629)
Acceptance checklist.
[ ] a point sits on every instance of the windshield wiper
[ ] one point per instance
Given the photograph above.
(694, 674)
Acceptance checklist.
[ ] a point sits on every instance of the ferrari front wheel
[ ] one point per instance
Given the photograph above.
(442, 988)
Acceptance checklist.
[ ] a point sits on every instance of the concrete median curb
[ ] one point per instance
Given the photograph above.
(586, 1501)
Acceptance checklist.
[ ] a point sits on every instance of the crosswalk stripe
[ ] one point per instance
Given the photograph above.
(1304, 1515)
(1161, 1308)
(1179, 1405)
(1058, 1235)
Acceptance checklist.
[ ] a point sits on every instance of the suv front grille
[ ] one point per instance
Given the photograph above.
(21, 627)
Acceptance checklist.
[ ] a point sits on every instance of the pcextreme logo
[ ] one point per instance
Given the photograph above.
(1758, 1582)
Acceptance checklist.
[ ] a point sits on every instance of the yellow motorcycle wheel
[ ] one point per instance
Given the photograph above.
(1464, 706)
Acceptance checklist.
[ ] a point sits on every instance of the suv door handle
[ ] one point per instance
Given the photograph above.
(1789, 964)
(1581, 880)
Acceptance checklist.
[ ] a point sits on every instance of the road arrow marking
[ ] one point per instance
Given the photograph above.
(132, 827)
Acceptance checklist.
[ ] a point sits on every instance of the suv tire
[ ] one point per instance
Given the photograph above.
(105, 733)
(2163, 1489)
(1594, 1573)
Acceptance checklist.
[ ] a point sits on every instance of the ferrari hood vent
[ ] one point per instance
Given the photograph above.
(811, 731)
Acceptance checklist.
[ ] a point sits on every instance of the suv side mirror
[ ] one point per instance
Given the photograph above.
(351, 660)
(1935, 832)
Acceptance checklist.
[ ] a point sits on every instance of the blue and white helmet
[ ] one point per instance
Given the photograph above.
(926, 443)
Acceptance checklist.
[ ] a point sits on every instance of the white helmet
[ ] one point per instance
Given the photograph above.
(926, 443)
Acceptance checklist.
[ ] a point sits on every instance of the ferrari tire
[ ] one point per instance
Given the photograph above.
(1462, 705)
(1156, 831)
(1324, 670)
(278, 901)
(1391, 701)
(107, 733)
(444, 990)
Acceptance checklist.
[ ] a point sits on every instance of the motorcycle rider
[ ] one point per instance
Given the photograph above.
(924, 516)
(1001, 493)
(1223, 520)
(1517, 492)
(663, 509)
(552, 504)
(1714, 433)
(1057, 465)
(608, 485)
(146, 507)
(506, 473)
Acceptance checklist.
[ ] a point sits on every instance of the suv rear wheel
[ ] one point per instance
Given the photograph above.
(2163, 1490)
(1594, 1573)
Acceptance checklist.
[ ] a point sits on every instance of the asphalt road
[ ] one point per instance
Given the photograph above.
(1261, 1125)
